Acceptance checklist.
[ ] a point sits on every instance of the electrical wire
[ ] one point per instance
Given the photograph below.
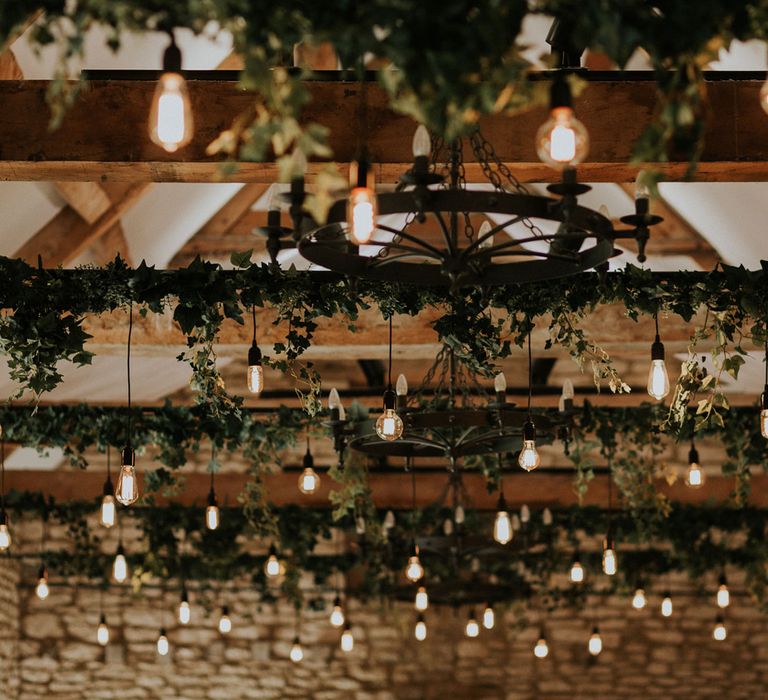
(530, 374)
(128, 364)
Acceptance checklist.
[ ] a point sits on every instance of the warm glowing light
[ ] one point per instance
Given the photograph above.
(502, 527)
(163, 647)
(562, 141)
(422, 143)
(541, 650)
(102, 632)
(639, 600)
(272, 566)
(595, 644)
(255, 378)
(297, 653)
(212, 516)
(658, 380)
(347, 640)
(361, 214)
(723, 594)
(334, 404)
(127, 491)
(546, 517)
(472, 629)
(610, 565)
(500, 383)
(764, 422)
(120, 566)
(389, 425)
(389, 520)
(42, 590)
(577, 572)
(719, 633)
(401, 386)
(529, 458)
(666, 606)
(171, 115)
(309, 481)
(764, 96)
(489, 618)
(420, 630)
(107, 513)
(421, 602)
(185, 611)
(337, 614)
(225, 622)
(694, 478)
(525, 513)
(5, 533)
(414, 571)
(459, 515)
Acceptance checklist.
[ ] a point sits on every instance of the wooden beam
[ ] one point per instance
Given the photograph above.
(97, 142)
(88, 199)
(110, 244)
(220, 224)
(390, 489)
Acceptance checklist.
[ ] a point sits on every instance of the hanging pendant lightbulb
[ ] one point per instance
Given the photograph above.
(212, 514)
(5, 533)
(185, 611)
(297, 653)
(610, 565)
(502, 525)
(42, 590)
(489, 617)
(420, 629)
(723, 594)
(421, 602)
(658, 379)
(541, 650)
(170, 119)
(255, 374)
(472, 629)
(108, 511)
(666, 605)
(361, 204)
(414, 571)
(347, 640)
(389, 426)
(272, 565)
(562, 141)
(595, 644)
(639, 600)
(120, 565)
(102, 631)
(576, 574)
(309, 481)
(337, 613)
(529, 458)
(225, 622)
(127, 491)
(163, 647)
(694, 477)
(719, 633)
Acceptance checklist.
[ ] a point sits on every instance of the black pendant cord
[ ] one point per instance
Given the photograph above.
(610, 500)
(389, 378)
(109, 463)
(213, 464)
(409, 465)
(501, 476)
(128, 366)
(766, 355)
(530, 374)
(253, 316)
(2, 476)
(656, 320)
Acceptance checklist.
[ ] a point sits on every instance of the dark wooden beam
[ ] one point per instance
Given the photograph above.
(102, 143)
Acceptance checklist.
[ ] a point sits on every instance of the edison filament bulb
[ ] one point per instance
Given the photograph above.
(719, 633)
(127, 491)
(108, 510)
(255, 372)
(529, 458)
(272, 565)
(502, 525)
(658, 378)
(309, 481)
(389, 426)
(297, 653)
(102, 631)
(420, 630)
(610, 565)
(212, 514)
(185, 611)
(723, 594)
(337, 613)
(225, 621)
(414, 571)
(170, 118)
(764, 411)
(42, 590)
(576, 574)
(361, 203)
(666, 605)
(595, 644)
(489, 617)
(347, 640)
(541, 650)
(421, 602)
(163, 647)
(120, 565)
(5, 532)
(639, 600)
(472, 629)
(694, 477)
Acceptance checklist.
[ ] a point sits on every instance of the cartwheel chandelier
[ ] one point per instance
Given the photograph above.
(435, 229)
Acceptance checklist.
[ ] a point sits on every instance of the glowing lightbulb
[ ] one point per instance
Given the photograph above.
(347, 640)
(489, 617)
(562, 141)
(334, 404)
(610, 565)
(127, 491)
(639, 600)
(529, 458)
(389, 426)
(459, 515)
(658, 379)
(541, 650)
(546, 517)
(42, 590)
(723, 594)
(576, 573)
(120, 565)
(108, 511)
(337, 614)
(420, 630)
(361, 204)
(565, 402)
(102, 632)
(694, 477)
(389, 520)
(502, 526)
(500, 383)
(764, 422)
(422, 143)
(255, 372)
(297, 653)
(163, 647)
(472, 629)
(447, 527)
(595, 644)
(719, 633)
(309, 481)
(225, 622)
(170, 120)
(272, 566)
(666, 606)
(401, 386)
(212, 512)
(5, 533)
(525, 513)
(421, 602)
(185, 611)
(414, 571)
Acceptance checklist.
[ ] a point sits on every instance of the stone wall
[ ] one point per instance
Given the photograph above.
(9, 628)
